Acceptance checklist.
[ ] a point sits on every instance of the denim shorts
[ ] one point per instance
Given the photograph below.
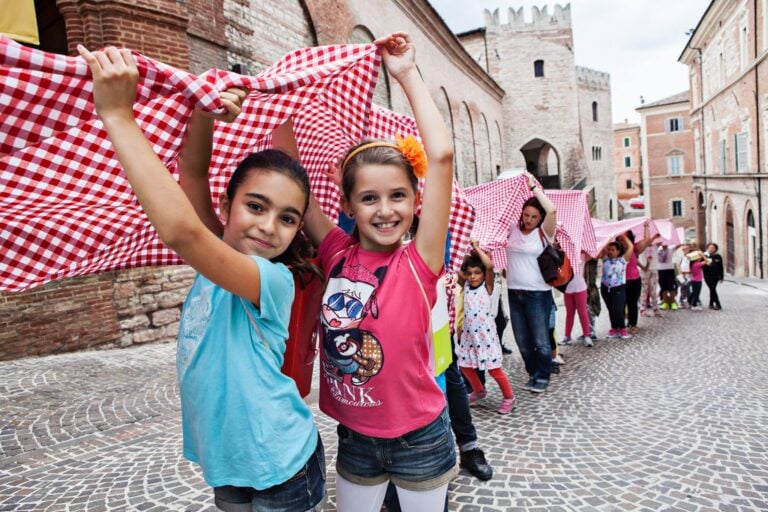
(421, 460)
(305, 491)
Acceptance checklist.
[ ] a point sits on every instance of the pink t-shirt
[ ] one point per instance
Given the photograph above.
(697, 271)
(633, 272)
(375, 361)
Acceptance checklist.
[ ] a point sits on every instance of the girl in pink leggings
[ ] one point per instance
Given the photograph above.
(575, 298)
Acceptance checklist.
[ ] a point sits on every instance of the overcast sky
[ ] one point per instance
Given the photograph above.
(637, 41)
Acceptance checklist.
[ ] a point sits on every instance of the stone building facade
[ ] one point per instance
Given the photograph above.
(668, 162)
(727, 58)
(627, 160)
(142, 305)
(556, 111)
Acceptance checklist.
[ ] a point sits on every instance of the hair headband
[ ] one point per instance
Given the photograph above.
(411, 149)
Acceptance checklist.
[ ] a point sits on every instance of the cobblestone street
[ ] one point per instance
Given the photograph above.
(674, 419)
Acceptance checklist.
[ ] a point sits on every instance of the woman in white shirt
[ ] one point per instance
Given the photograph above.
(530, 297)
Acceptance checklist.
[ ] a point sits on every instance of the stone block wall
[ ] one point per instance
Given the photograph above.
(113, 309)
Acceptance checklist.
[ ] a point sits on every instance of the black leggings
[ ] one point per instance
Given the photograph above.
(634, 287)
(615, 299)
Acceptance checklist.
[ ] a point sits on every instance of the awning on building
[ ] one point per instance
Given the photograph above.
(18, 21)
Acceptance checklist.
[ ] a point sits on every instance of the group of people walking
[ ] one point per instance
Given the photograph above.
(244, 422)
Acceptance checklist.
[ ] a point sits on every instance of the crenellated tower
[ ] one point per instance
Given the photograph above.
(549, 102)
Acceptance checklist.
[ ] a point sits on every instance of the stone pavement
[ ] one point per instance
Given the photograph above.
(674, 419)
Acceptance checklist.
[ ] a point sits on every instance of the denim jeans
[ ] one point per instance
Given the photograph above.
(529, 313)
(695, 294)
(305, 491)
(421, 460)
(458, 406)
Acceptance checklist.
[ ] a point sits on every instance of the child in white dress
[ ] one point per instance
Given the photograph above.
(479, 346)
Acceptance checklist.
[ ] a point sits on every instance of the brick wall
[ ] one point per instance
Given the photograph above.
(98, 311)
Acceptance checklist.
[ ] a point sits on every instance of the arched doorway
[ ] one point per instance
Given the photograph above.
(751, 245)
(51, 28)
(701, 220)
(730, 240)
(542, 160)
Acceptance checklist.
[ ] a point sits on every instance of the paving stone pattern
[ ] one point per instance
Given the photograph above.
(673, 419)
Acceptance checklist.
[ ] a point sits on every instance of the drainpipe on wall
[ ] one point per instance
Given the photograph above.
(757, 142)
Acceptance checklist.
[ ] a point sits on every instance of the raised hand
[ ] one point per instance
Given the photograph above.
(115, 77)
(398, 53)
(232, 99)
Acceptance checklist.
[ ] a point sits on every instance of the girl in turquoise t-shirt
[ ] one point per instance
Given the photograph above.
(243, 420)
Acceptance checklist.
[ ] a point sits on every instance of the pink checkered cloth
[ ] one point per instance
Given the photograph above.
(498, 204)
(67, 210)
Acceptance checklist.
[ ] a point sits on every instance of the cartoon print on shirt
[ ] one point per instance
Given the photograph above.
(349, 298)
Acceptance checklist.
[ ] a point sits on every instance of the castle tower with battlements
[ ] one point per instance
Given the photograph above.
(557, 116)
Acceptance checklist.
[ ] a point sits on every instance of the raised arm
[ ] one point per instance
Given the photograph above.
(629, 247)
(316, 223)
(195, 158)
(549, 226)
(399, 58)
(169, 210)
(486, 259)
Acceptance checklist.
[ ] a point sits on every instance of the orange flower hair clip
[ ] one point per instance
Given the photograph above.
(413, 152)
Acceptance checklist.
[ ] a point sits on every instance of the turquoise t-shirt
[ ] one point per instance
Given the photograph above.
(244, 421)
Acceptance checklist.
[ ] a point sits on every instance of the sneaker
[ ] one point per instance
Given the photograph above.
(565, 341)
(474, 397)
(507, 405)
(613, 334)
(588, 342)
(558, 360)
(623, 334)
(664, 305)
(474, 461)
(674, 306)
(540, 387)
(528, 385)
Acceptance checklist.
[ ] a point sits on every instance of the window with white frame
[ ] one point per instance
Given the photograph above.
(675, 164)
(741, 151)
(677, 207)
(674, 124)
(723, 156)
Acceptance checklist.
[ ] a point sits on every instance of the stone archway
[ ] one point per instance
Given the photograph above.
(52, 28)
(701, 219)
(730, 239)
(543, 161)
(751, 233)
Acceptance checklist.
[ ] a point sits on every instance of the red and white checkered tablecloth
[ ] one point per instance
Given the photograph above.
(67, 210)
(498, 204)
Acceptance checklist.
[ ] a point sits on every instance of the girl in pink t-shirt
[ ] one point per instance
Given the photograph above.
(376, 361)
